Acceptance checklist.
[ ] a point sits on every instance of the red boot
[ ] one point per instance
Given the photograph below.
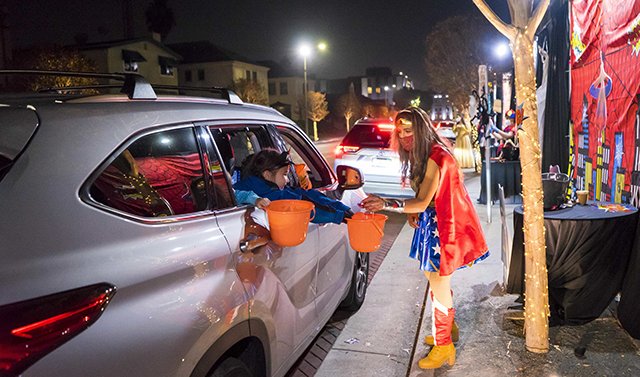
(443, 351)
(455, 331)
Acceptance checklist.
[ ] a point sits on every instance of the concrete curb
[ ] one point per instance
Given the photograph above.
(379, 338)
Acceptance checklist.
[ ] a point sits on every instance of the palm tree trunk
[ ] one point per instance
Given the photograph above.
(536, 278)
(525, 22)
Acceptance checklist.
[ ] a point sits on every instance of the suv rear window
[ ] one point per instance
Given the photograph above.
(158, 175)
(16, 128)
(368, 136)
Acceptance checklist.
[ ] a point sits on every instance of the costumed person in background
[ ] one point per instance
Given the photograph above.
(473, 123)
(266, 174)
(508, 148)
(444, 243)
(463, 151)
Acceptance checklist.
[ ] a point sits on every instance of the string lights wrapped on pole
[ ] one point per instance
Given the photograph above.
(521, 32)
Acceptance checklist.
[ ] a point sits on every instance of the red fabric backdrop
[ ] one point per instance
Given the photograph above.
(607, 149)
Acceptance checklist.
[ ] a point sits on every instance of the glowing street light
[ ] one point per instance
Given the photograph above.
(501, 50)
(305, 50)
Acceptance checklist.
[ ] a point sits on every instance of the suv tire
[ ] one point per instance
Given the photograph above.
(231, 367)
(358, 290)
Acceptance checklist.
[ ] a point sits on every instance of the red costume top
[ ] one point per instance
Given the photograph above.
(461, 237)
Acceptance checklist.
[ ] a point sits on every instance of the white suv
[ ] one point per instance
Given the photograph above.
(366, 147)
(124, 253)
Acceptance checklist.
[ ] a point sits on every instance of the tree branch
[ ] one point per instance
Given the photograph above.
(537, 17)
(506, 30)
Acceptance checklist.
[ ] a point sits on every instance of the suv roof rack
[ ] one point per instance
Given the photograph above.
(226, 94)
(135, 86)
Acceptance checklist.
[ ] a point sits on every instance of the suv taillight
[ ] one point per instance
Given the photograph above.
(342, 149)
(31, 329)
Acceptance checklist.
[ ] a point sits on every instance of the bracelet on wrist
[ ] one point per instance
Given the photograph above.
(393, 205)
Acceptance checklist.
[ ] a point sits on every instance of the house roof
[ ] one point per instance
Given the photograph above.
(279, 70)
(205, 51)
(122, 42)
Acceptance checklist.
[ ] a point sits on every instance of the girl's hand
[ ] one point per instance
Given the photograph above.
(412, 218)
(372, 203)
(262, 203)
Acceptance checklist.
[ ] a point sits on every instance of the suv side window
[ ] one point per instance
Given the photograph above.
(236, 144)
(302, 153)
(159, 174)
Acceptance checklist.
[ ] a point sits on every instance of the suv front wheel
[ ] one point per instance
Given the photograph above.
(231, 367)
(358, 289)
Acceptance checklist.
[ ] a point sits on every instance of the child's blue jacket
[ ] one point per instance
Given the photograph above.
(327, 210)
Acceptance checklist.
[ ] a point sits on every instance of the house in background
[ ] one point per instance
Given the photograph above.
(206, 65)
(379, 83)
(146, 56)
(441, 110)
(286, 88)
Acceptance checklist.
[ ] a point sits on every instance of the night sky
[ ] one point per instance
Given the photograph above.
(359, 33)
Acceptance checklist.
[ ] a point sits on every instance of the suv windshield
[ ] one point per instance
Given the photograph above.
(368, 136)
(16, 128)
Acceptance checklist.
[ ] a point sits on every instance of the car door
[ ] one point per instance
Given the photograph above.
(280, 282)
(335, 257)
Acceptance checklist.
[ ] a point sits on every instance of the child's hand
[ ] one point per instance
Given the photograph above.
(262, 203)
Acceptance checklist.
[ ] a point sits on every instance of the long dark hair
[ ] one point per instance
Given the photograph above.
(414, 163)
(267, 159)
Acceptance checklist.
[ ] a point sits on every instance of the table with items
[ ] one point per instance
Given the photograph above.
(588, 248)
(504, 173)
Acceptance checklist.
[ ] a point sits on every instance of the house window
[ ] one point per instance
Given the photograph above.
(378, 90)
(272, 88)
(284, 90)
(255, 76)
(130, 66)
(130, 60)
(167, 65)
(201, 75)
(369, 90)
(187, 75)
(247, 75)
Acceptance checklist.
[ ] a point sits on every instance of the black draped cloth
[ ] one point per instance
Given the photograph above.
(629, 307)
(504, 173)
(555, 31)
(588, 250)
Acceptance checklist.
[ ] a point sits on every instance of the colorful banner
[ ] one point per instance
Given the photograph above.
(605, 84)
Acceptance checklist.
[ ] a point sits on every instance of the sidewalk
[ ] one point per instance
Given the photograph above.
(386, 334)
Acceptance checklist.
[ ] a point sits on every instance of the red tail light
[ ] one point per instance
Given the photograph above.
(386, 126)
(31, 329)
(342, 149)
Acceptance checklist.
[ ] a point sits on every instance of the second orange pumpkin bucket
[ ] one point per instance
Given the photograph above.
(366, 231)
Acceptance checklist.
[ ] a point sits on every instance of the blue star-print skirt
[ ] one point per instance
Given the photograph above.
(425, 246)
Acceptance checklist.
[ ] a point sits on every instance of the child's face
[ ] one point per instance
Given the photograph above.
(280, 177)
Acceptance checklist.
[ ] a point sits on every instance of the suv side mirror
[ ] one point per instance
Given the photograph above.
(349, 178)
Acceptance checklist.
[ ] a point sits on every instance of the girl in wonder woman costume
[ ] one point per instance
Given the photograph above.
(444, 243)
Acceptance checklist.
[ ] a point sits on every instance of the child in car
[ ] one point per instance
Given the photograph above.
(266, 174)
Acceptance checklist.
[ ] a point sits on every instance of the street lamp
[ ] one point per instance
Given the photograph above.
(305, 51)
(501, 50)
